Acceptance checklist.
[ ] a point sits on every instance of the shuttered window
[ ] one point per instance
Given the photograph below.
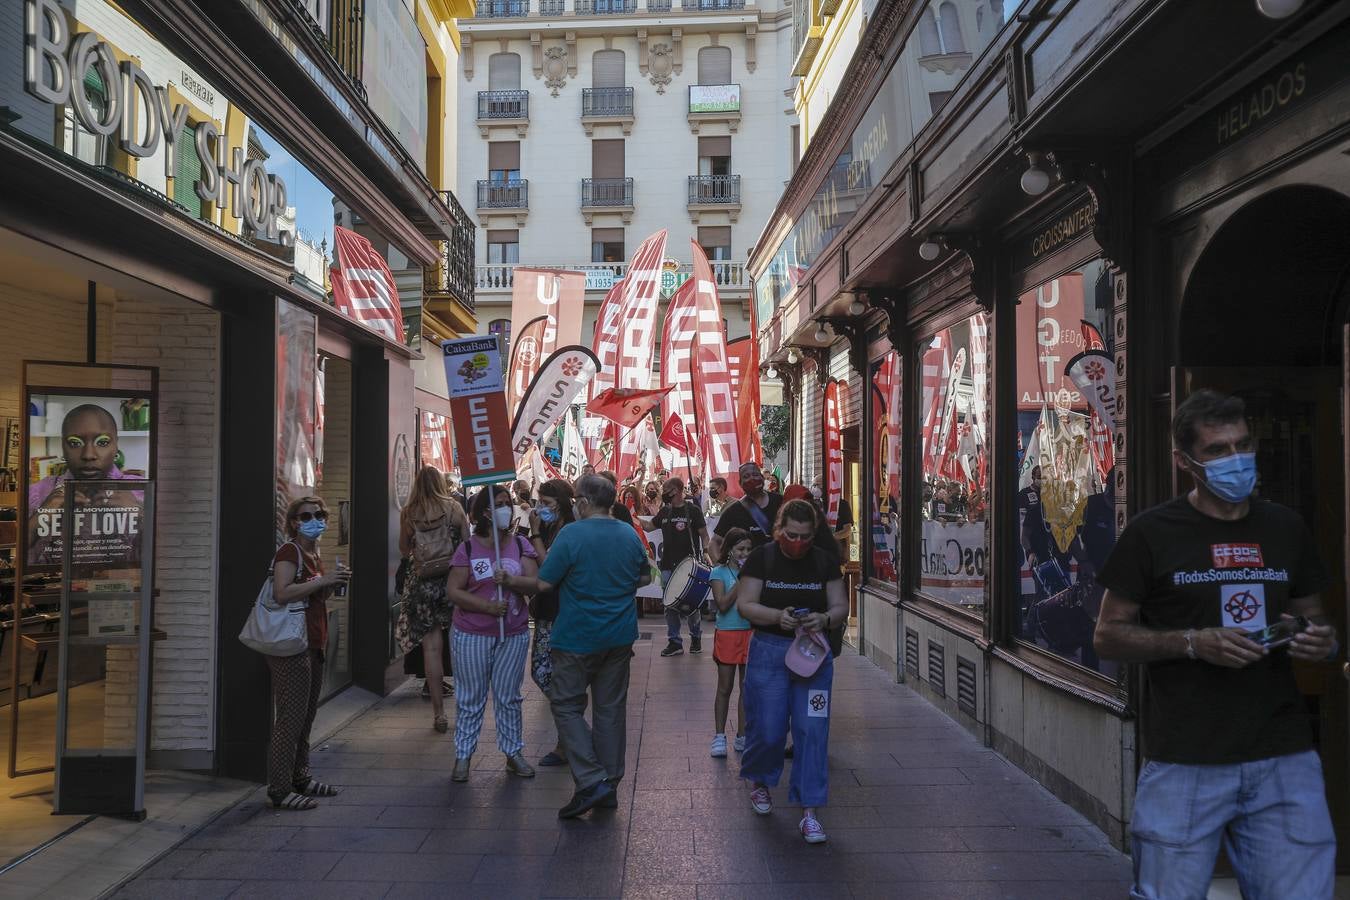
(503, 160)
(607, 69)
(714, 65)
(715, 241)
(187, 170)
(504, 72)
(607, 159)
(714, 155)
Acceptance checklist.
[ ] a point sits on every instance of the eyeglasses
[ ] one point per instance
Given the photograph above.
(321, 515)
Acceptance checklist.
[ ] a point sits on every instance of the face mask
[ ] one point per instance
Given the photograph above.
(793, 548)
(501, 516)
(1230, 478)
(548, 515)
(651, 494)
(313, 528)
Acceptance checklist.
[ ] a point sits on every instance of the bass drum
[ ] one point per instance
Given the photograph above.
(689, 588)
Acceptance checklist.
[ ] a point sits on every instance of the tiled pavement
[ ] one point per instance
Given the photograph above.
(917, 809)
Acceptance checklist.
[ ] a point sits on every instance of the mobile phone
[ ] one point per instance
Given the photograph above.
(801, 611)
(1281, 633)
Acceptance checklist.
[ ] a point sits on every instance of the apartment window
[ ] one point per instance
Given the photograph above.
(503, 161)
(607, 245)
(714, 156)
(714, 65)
(940, 31)
(504, 72)
(607, 69)
(715, 241)
(503, 245)
(607, 159)
(502, 328)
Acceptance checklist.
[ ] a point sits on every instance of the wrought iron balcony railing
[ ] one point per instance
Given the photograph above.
(513, 194)
(606, 192)
(503, 104)
(606, 7)
(727, 274)
(502, 9)
(658, 5)
(716, 4)
(552, 7)
(454, 272)
(712, 189)
(611, 101)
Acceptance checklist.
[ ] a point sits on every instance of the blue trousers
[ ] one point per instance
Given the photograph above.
(776, 700)
(1270, 815)
(673, 619)
(483, 662)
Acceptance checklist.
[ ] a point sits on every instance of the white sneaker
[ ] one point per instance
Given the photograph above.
(760, 801)
(739, 743)
(811, 830)
(719, 746)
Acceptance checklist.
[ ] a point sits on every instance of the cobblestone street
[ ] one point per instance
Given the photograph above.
(917, 809)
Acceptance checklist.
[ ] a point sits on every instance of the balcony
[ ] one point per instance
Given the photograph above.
(448, 288)
(552, 7)
(607, 106)
(509, 109)
(606, 7)
(729, 275)
(502, 9)
(714, 193)
(715, 5)
(504, 198)
(607, 195)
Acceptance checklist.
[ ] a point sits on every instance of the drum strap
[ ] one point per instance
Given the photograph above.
(758, 515)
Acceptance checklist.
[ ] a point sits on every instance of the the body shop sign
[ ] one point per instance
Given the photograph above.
(707, 98)
(141, 115)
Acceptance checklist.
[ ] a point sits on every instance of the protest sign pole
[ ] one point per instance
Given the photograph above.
(497, 546)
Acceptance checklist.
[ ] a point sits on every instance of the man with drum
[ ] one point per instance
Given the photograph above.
(684, 534)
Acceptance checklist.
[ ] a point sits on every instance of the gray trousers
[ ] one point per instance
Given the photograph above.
(596, 752)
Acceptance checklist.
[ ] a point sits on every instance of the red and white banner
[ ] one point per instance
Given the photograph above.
(979, 371)
(573, 452)
(1093, 372)
(832, 430)
(562, 378)
(1048, 319)
(886, 401)
(473, 373)
(743, 359)
(677, 341)
(945, 447)
(626, 406)
(363, 287)
(557, 295)
(527, 355)
(605, 348)
(673, 433)
(435, 441)
(636, 337)
(714, 403)
(936, 366)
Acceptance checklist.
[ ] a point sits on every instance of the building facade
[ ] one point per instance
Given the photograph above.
(1022, 244)
(169, 208)
(587, 125)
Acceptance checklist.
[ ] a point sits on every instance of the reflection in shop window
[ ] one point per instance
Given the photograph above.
(954, 429)
(884, 532)
(1065, 427)
(84, 145)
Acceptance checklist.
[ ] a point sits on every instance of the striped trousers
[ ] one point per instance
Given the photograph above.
(482, 661)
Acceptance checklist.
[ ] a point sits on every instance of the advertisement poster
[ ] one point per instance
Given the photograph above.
(76, 438)
(473, 374)
(714, 98)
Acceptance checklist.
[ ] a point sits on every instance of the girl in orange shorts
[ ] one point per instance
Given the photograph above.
(731, 643)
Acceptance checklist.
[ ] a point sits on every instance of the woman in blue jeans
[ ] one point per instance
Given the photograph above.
(786, 585)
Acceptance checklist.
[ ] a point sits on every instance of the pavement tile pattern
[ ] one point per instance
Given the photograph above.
(918, 809)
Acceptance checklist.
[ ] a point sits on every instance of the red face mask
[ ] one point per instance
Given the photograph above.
(793, 548)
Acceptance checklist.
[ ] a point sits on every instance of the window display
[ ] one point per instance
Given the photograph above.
(953, 435)
(1065, 430)
(884, 532)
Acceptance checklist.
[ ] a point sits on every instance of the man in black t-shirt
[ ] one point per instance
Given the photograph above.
(684, 533)
(739, 514)
(1225, 730)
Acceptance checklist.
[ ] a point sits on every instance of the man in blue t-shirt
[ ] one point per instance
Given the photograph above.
(597, 565)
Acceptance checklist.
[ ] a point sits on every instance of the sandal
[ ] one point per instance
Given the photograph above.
(441, 724)
(294, 802)
(315, 789)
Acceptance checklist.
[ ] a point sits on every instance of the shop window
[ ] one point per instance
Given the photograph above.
(503, 246)
(883, 533)
(1066, 498)
(954, 466)
(607, 245)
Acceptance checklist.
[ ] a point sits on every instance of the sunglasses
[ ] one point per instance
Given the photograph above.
(321, 515)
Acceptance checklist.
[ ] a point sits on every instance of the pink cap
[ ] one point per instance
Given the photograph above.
(806, 653)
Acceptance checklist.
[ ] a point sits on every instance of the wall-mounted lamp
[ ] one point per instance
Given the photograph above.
(1278, 9)
(1035, 180)
(772, 373)
(822, 333)
(931, 249)
(793, 356)
(857, 307)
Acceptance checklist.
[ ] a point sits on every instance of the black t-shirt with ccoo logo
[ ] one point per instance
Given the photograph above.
(791, 583)
(1187, 570)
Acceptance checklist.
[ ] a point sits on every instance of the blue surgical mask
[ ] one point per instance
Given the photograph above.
(548, 515)
(313, 528)
(1231, 478)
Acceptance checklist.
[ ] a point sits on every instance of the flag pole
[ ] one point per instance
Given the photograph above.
(497, 546)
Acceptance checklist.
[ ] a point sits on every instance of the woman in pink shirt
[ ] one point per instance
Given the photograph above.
(491, 638)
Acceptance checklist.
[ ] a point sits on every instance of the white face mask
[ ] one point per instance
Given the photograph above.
(501, 515)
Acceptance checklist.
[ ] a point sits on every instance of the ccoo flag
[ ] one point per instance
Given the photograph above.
(363, 286)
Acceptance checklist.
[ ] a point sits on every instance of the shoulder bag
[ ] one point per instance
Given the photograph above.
(277, 630)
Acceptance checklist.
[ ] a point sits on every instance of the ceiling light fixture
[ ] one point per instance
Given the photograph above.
(1035, 180)
(857, 307)
(930, 249)
(793, 356)
(1278, 9)
(772, 373)
(822, 333)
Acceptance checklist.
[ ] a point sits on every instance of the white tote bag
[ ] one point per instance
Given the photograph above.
(276, 630)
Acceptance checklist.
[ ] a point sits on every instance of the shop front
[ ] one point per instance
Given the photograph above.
(1027, 287)
(162, 252)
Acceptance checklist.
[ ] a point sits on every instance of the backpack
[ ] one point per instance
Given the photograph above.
(433, 546)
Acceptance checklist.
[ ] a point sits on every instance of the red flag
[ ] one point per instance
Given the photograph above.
(743, 358)
(527, 355)
(1092, 338)
(832, 431)
(672, 434)
(626, 406)
(716, 423)
(936, 368)
(555, 294)
(637, 333)
(363, 286)
(605, 346)
(677, 341)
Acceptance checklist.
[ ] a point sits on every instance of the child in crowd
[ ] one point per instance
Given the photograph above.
(731, 643)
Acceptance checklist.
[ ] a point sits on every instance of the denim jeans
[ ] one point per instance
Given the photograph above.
(776, 700)
(673, 619)
(1270, 815)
